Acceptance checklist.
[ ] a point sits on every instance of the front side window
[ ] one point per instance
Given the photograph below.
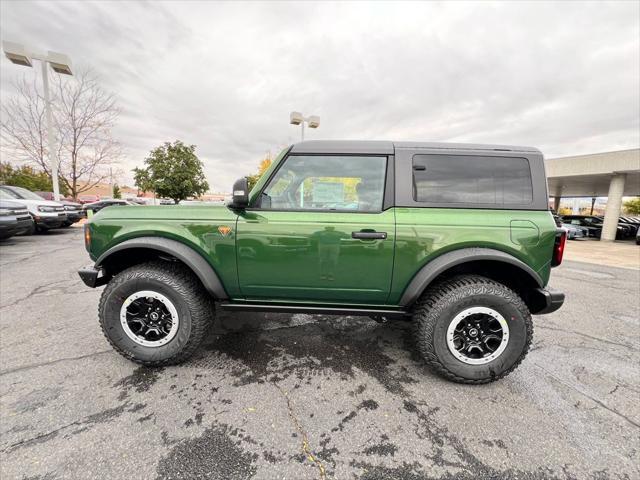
(327, 182)
(471, 179)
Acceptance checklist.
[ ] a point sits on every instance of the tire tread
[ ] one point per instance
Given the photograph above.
(439, 296)
(186, 285)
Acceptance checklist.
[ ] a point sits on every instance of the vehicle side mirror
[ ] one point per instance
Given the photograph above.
(240, 194)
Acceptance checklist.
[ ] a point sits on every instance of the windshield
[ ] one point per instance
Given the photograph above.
(26, 194)
(6, 195)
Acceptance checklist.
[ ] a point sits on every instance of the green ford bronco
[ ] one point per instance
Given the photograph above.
(457, 238)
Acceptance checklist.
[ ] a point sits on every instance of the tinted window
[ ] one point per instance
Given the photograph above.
(327, 182)
(472, 179)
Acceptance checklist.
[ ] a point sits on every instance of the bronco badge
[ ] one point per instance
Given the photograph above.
(224, 230)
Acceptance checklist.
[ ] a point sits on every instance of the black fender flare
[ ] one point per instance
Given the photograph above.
(444, 262)
(187, 255)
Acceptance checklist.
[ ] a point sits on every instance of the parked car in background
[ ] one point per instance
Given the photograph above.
(574, 231)
(201, 202)
(14, 219)
(75, 212)
(88, 198)
(46, 195)
(51, 196)
(45, 213)
(630, 224)
(97, 206)
(592, 224)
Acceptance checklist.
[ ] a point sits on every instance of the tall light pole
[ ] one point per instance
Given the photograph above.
(296, 118)
(60, 63)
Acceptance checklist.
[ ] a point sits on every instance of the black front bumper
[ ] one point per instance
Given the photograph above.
(25, 225)
(74, 217)
(51, 222)
(92, 277)
(547, 300)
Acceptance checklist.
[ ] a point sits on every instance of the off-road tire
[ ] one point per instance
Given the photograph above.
(441, 303)
(194, 305)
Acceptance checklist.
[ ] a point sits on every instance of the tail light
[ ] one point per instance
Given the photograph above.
(558, 248)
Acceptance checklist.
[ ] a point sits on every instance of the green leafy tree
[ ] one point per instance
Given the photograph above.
(29, 178)
(142, 180)
(116, 191)
(632, 207)
(172, 171)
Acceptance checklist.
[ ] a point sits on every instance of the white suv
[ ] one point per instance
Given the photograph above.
(46, 214)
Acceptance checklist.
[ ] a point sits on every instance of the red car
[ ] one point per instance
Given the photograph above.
(88, 198)
(49, 196)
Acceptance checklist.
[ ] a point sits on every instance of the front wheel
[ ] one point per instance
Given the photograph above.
(155, 313)
(471, 329)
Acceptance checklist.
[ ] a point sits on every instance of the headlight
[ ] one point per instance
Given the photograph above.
(4, 212)
(46, 209)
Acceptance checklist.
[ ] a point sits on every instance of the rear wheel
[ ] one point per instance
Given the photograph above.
(471, 329)
(155, 313)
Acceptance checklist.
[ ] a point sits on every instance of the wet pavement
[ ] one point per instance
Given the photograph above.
(308, 397)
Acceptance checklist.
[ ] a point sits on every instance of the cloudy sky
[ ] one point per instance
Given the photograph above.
(563, 77)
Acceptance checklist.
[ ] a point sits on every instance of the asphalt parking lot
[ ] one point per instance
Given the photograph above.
(308, 397)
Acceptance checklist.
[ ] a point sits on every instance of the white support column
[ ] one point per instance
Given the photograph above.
(53, 161)
(614, 205)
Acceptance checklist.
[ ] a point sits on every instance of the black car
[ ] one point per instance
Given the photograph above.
(626, 229)
(631, 224)
(593, 223)
(97, 206)
(74, 211)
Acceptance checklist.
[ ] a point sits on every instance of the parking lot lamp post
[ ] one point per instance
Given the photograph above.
(296, 118)
(60, 63)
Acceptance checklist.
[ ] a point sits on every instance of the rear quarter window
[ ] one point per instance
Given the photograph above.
(472, 179)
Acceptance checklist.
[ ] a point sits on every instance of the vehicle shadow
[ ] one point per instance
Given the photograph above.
(274, 347)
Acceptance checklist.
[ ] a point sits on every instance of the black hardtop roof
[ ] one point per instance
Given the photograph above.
(381, 147)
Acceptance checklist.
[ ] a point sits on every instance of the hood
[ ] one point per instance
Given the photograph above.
(13, 204)
(166, 212)
(45, 203)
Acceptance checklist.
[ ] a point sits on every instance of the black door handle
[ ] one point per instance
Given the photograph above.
(369, 235)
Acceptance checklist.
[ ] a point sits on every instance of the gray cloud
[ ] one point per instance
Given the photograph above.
(563, 77)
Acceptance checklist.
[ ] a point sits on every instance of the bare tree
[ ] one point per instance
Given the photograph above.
(84, 114)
